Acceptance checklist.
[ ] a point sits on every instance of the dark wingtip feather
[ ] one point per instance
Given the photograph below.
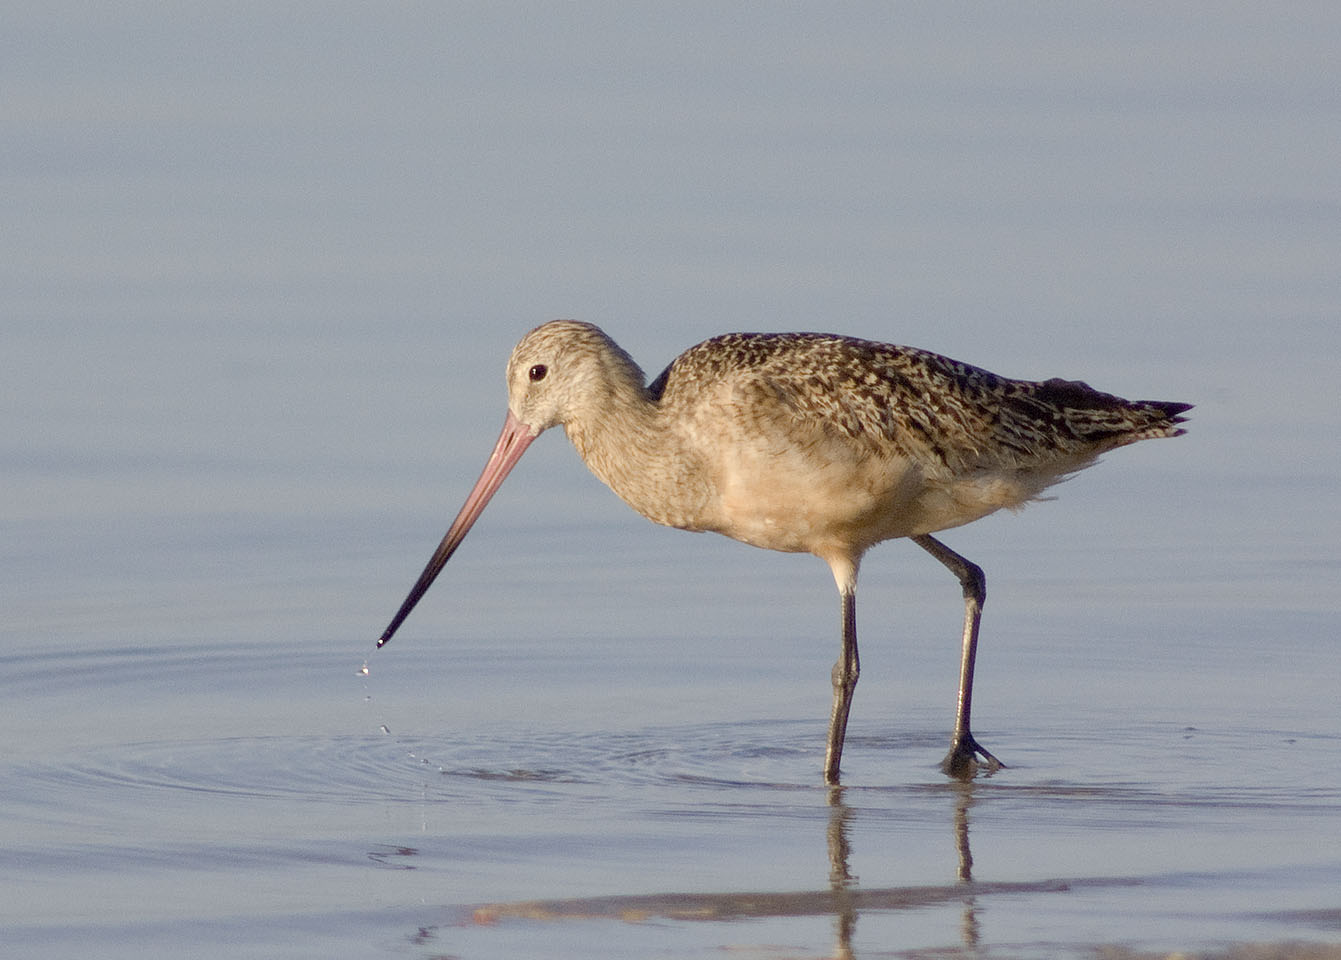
(1172, 410)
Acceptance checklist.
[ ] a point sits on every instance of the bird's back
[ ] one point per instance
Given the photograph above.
(944, 414)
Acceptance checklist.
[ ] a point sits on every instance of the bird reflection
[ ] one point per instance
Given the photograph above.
(842, 882)
(843, 899)
(969, 931)
(840, 874)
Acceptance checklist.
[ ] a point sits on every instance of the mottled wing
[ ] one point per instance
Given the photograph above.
(948, 416)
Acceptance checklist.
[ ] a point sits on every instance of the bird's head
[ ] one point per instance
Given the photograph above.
(563, 369)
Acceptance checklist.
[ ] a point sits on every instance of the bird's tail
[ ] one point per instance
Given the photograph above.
(1162, 418)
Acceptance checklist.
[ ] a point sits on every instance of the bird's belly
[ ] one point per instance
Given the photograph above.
(819, 507)
(845, 508)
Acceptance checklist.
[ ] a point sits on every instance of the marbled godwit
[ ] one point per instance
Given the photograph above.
(809, 443)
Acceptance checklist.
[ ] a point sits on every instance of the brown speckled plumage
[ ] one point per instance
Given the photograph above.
(951, 416)
(810, 442)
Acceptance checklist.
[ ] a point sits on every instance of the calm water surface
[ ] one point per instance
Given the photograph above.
(624, 764)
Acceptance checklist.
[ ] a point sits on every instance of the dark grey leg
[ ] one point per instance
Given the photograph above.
(845, 673)
(962, 760)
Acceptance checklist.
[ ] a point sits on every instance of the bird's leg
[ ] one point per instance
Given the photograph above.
(962, 760)
(845, 672)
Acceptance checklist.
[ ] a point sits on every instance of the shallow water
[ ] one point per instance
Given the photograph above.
(659, 794)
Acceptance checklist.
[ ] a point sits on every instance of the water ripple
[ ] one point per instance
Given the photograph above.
(723, 763)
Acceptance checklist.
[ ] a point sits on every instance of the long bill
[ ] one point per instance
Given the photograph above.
(512, 443)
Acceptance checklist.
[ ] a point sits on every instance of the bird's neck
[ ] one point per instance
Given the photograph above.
(629, 445)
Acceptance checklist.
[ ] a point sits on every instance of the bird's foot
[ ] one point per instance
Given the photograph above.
(962, 761)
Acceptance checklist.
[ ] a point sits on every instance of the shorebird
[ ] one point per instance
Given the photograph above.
(809, 443)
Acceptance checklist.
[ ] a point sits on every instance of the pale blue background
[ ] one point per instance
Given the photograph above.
(261, 266)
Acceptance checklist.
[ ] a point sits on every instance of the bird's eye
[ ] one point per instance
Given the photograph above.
(538, 372)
